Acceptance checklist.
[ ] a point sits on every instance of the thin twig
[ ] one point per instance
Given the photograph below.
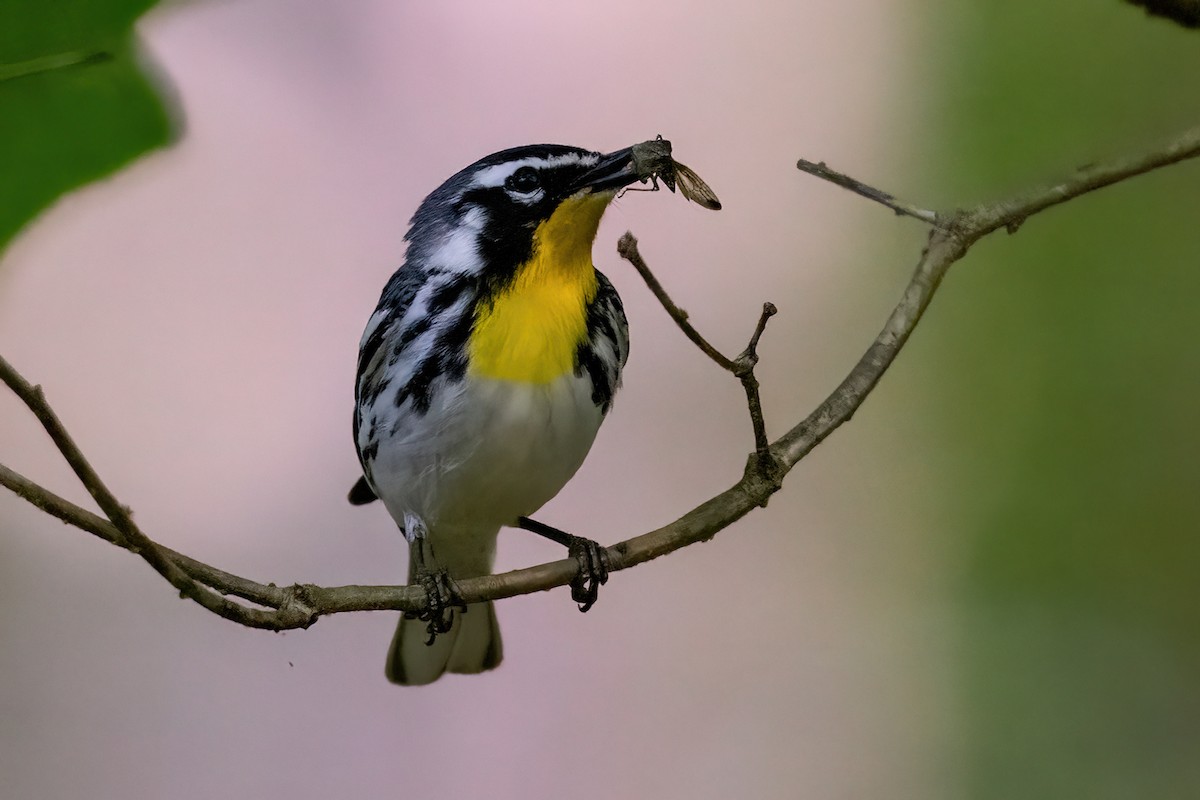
(299, 605)
(1009, 214)
(627, 248)
(269, 596)
(870, 192)
(134, 540)
(947, 244)
(745, 364)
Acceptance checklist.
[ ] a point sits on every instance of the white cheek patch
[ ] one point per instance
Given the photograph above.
(459, 251)
(474, 219)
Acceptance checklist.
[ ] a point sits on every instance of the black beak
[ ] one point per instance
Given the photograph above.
(614, 171)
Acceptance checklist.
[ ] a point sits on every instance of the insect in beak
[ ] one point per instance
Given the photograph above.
(652, 161)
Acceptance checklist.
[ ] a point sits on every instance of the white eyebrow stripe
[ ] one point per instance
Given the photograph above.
(496, 174)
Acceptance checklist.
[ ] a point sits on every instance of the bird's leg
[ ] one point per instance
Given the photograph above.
(591, 557)
(441, 595)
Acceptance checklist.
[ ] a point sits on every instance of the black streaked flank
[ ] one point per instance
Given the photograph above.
(442, 298)
(406, 338)
(447, 357)
(398, 294)
(604, 310)
(448, 293)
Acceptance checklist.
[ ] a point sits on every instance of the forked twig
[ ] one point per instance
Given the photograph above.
(741, 367)
(130, 535)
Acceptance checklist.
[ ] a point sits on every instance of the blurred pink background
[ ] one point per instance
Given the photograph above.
(195, 321)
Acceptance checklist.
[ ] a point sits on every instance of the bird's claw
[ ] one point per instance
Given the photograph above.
(441, 600)
(593, 571)
(593, 560)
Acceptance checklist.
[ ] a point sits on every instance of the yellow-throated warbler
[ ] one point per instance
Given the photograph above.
(484, 374)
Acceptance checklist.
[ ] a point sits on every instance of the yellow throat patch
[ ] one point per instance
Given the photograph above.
(531, 330)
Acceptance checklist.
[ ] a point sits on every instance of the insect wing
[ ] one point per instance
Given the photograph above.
(693, 187)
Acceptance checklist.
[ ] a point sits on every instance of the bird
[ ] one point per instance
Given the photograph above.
(484, 373)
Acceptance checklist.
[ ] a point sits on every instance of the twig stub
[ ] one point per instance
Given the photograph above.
(820, 170)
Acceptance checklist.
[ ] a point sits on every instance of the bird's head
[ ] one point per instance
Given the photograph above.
(490, 218)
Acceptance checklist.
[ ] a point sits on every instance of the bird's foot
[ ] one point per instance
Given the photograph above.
(441, 600)
(593, 560)
(441, 595)
(593, 571)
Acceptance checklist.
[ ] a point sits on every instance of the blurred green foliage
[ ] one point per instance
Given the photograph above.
(77, 101)
(1068, 389)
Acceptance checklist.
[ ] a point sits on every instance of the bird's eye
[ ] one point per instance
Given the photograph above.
(524, 180)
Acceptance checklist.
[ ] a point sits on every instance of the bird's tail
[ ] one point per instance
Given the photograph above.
(471, 645)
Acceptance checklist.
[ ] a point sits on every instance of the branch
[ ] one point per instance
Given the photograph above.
(947, 244)
(131, 537)
(85, 520)
(300, 605)
(871, 193)
(741, 367)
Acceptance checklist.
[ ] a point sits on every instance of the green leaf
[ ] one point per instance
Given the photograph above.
(78, 100)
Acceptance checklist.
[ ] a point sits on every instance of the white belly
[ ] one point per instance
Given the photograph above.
(486, 452)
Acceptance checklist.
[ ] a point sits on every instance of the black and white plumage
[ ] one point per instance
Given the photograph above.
(486, 370)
